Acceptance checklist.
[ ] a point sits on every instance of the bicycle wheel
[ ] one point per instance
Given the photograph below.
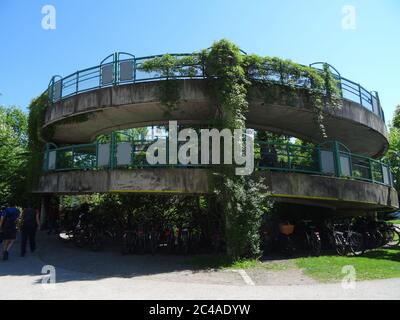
(379, 239)
(340, 245)
(314, 244)
(395, 241)
(356, 244)
(389, 238)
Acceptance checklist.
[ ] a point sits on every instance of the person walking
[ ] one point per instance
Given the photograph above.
(8, 224)
(30, 223)
(2, 212)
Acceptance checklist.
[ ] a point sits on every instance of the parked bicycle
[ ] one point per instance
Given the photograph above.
(309, 236)
(346, 240)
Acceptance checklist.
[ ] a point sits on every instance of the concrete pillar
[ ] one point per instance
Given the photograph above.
(44, 210)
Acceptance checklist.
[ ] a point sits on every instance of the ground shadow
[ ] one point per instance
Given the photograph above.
(82, 264)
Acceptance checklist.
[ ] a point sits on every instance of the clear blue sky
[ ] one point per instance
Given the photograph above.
(302, 30)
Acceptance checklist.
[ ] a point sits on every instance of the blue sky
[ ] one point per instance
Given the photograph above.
(302, 30)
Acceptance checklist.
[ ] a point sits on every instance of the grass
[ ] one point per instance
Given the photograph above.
(376, 264)
(224, 262)
(395, 221)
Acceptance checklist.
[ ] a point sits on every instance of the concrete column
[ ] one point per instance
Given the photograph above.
(44, 210)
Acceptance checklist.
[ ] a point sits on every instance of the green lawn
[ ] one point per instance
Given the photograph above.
(395, 221)
(375, 264)
(223, 262)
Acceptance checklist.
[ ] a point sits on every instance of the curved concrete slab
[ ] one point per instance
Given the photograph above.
(136, 105)
(341, 194)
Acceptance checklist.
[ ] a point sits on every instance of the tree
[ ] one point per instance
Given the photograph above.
(396, 118)
(393, 155)
(13, 142)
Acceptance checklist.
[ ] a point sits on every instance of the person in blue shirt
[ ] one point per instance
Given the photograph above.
(8, 225)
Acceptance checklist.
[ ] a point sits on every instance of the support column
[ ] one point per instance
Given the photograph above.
(44, 210)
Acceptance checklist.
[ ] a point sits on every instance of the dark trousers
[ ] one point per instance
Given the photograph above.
(28, 234)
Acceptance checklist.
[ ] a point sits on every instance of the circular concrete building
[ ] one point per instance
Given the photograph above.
(342, 172)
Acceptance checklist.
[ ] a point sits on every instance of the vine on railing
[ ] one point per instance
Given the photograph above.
(191, 66)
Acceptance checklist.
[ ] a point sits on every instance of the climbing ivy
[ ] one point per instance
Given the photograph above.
(282, 81)
(36, 138)
(230, 74)
(170, 67)
(240, 198)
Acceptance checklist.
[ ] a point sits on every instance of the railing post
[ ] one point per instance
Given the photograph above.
(112, 151)
(61, 88)
(351, 164)
(372, 102)
(359, 92)
(381, 167)
(319, 159)
(46, 158)
(390, 176)
(134, 69)
(341, 86)
(73, 157)
(51, 90)
(288, 155)
(115, 68)
(337, 159)
(77, 83)
(97, 154)
(371, 170)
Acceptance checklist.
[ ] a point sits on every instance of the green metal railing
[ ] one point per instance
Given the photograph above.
(122, 68)
(328, 159)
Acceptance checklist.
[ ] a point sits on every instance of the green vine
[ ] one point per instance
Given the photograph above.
(36, 138)
(281, 80)
(171, 67)
(230, 74)
(241, 199)
(39, 136)
(320, 86)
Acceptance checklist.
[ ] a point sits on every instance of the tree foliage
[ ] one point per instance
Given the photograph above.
(37, 137)
(396, 118)
(13, 143)
(393, 155)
